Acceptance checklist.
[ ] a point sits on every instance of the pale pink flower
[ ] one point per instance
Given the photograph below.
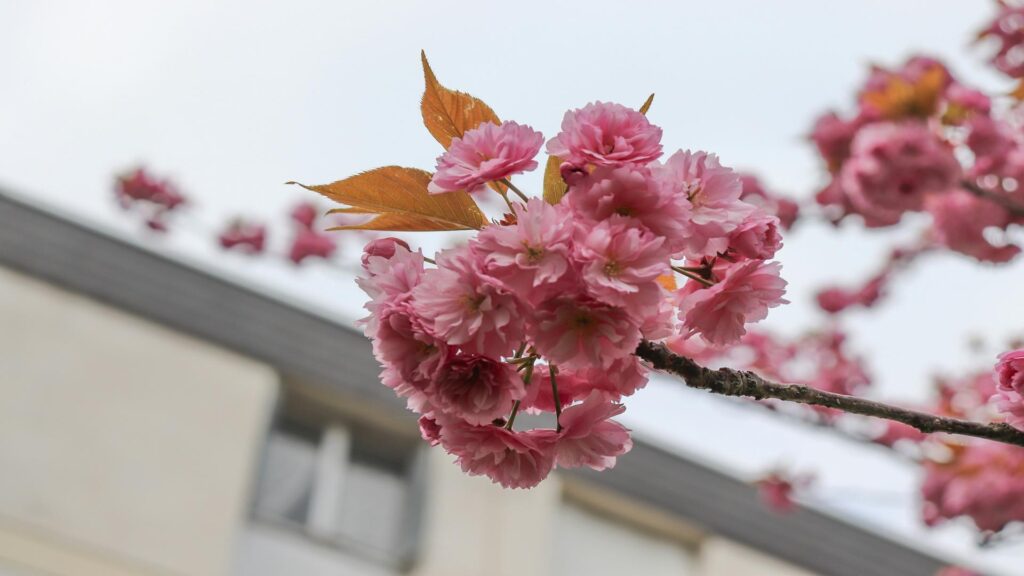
(512, 459)
(541, 398)
(577, 332)
(484, 154)
(606, 134)
(620, 263)
(589, 437)
(475, 388)
(633, 192)
(894, 167)
(467, 308)
(959, 221)
(1010, 371)
(403, 340)
(388, 282)
(1011, 405)
(757, 237)
(532, 256)
(713, 192)
(720, 312)
(621, 378)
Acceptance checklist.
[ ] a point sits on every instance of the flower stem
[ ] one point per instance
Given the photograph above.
(513, 188)
(693, 276)
(527, 374)
(552, 371)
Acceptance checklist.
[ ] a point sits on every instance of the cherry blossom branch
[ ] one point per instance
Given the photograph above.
(1007, 204)
(729, 382)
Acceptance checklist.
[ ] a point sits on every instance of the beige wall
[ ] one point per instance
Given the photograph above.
(125, 448)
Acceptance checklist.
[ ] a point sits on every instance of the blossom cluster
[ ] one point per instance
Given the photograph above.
(542, 310)
(155, 197)
(902, 150)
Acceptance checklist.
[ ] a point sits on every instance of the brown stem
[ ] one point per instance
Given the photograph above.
(729, 382)
(1006, 203)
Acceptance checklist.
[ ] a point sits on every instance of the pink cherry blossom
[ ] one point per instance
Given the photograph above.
(757, 237)
(894, 167)
(388, 282)
(580, 331)
(1008, 31)
(484, 154)
(246, 236)
(383, 248)
(541, 398)
(713, 192)
(309, 243)
(959, 221)
(512, 459)
(1011, 405)
(755, 193)
(589, 437)
(404, 341)
(606, 134)
(468, 309)
(430, 430)
(832, 136)
(620, 262)
(719, 313)
(304, 214)
(475, 388)
(1010, 371)
(635, 193)
(982, 483)
(621, 378)
(531, 257)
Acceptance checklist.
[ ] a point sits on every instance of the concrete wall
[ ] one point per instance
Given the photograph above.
(125, 448)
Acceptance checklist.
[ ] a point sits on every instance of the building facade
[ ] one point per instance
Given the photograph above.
(156, 419)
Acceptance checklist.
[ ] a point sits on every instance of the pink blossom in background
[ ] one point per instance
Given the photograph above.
(754, 192)
(156, 198)
(309, 243)
(305, 214)
(895, 432)
(244, 236)
(606, 134)
(778, 488)
(467, 308)
(833, 137)
(589, 437)
(959, 220)
(475, 388)
(1011, 406)
(834, 300)
(982, 483)
(991, 141)
(1007, 30)
(713, 192)
(485, 154)
(512, 459)
(893, 167)
(532, 256)
(719, 313)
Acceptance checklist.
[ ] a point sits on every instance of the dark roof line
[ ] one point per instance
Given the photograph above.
(303, 345)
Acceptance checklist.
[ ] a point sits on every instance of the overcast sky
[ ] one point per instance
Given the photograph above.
(233, 98)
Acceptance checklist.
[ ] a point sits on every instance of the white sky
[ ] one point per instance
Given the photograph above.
(234, 98)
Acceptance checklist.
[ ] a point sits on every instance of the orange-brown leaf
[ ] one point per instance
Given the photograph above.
(448, 113)
(1018, 92)
(398, 196)
(647, 104)
(554, 186)
(899, 98)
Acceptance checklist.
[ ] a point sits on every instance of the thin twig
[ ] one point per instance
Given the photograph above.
(729, 382)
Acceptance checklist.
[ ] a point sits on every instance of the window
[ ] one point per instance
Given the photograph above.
(348, 487)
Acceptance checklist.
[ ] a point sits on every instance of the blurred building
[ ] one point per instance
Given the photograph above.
(156, 419)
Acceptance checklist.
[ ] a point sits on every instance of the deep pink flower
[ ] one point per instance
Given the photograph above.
(1010, 371)
(1008, 31)
(620, 263)
(578, 332)
(430, 430)
(757, 237)
(777, 489)
(894, 167)
(512, 459)
(636, 193)
(405, 342)
(541, 398)
(484, 154)
(992, 142)
(832, 136)
(382, 247)
(621, 378)
(959, 221)
(475, 388)
(982, 482)
(606, 134)
(589, 437)
(305, 214)
(713, 192)
(245, 236)
(719, 313)
(532, 256)
(309, 243)
(467, 308)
